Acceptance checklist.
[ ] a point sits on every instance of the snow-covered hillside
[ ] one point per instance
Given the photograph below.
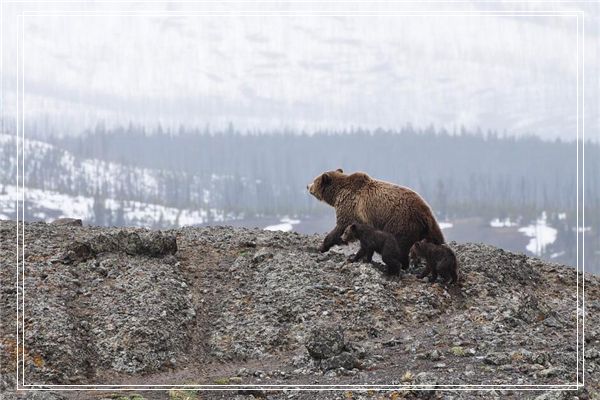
(47, 205)
(59, 184)
(69, 171)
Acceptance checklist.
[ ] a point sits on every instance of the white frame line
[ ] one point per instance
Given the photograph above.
(449, 387)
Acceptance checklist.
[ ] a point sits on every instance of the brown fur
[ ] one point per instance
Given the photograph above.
(394, 209)
(440, 259)
(373, 240)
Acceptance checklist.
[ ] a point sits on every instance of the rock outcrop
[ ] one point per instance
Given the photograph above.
(237, 306)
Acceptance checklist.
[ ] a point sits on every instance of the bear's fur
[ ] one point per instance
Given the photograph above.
(440, 259)
(373, 240)
(394, 209)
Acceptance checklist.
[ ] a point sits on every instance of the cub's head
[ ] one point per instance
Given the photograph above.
(349, 234)
(323, 186)
(416, 251)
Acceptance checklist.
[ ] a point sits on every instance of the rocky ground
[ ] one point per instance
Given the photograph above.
(232, 306)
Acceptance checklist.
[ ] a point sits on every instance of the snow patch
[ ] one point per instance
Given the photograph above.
(286, 225)
(541, 235)
(505, 223)
(446, 225)
(134, 213)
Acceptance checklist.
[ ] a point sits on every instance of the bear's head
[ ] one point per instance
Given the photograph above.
(349, 234)
(323, 187)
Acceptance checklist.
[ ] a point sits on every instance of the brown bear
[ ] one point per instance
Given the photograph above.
(439, 258)
(394, 209)
(373, 240)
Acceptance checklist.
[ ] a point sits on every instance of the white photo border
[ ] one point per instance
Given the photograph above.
(20, 128)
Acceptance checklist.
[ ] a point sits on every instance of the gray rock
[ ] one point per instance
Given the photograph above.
(434, 355)
(261, 255)
(7, 391)
(344, 360)
(497, 358)
(146, 243)
(67, 222)
(426, 380)
(552, 322)
(592, 354)
(325, 342)
(549, 372)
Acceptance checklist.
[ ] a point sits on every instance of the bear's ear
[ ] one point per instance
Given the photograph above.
(417, 245)
(326, 179)
(353, 227)
(340, 170)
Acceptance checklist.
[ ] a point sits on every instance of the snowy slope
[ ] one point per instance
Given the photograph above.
(45, 205)
(69, 170)
(59, 184)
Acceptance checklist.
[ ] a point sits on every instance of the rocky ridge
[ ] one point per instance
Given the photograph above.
(229, 306)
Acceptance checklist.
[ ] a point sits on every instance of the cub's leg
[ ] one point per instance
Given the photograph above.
(404, 244)
(369, 256)
(426, 271)
(359, 255)
(447, 268)
(434, 272)
(393, 264)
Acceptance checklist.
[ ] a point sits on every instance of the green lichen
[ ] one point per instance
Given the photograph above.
(183, 395)
(458, 351)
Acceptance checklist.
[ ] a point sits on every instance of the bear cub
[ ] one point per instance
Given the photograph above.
(439, 258)
(373, 240)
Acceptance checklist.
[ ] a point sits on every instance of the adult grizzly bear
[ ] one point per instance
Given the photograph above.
(391, 208)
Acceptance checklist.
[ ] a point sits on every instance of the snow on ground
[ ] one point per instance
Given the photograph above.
(446, 225)
(286, 225)
(504, 223)
(42, 202)
(94, 172)
(540, 234)
(557, 254)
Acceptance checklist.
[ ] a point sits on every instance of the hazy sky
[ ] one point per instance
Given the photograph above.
(513, 73)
